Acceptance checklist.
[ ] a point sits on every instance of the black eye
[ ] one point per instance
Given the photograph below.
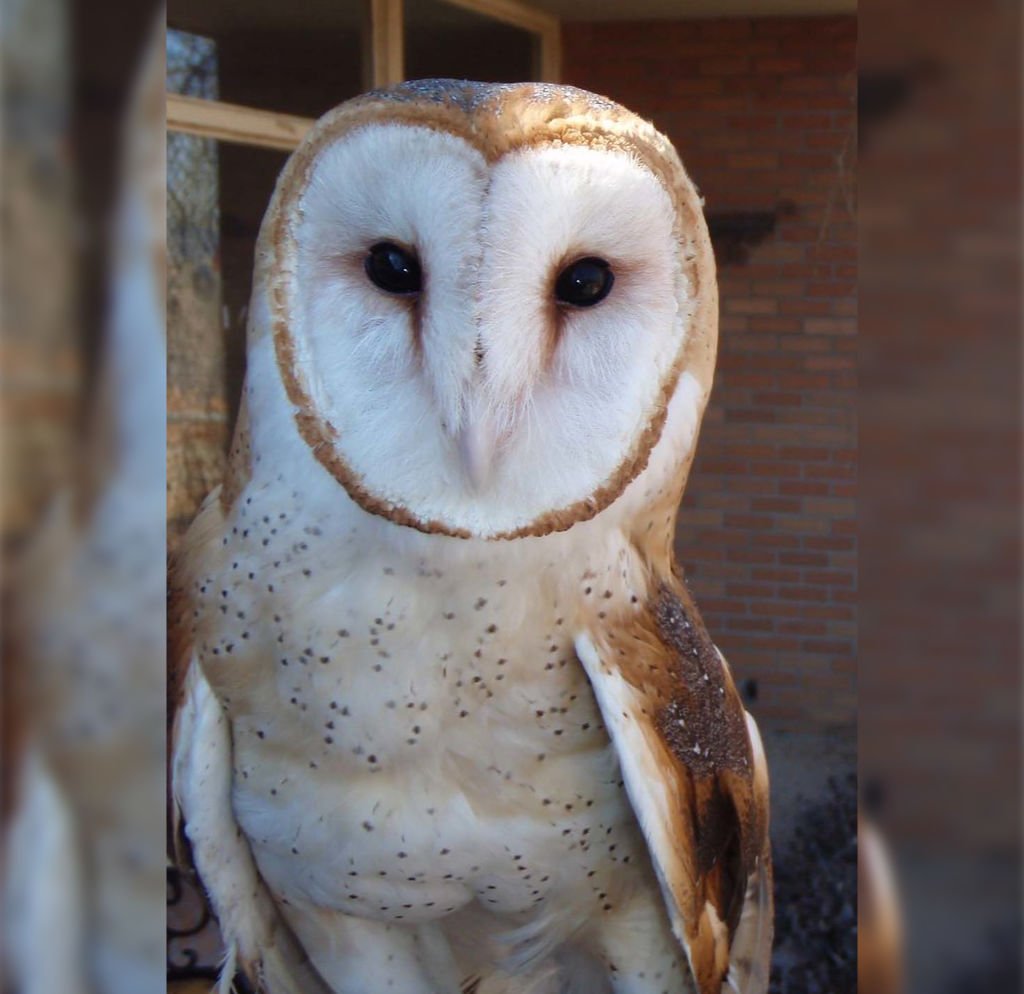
(393, 269)
(584, 283)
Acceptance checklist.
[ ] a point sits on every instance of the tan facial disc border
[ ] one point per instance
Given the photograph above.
(496, 120)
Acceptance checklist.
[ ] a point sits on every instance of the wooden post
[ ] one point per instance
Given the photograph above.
(386, 44)
(234, 123)
(550, 57)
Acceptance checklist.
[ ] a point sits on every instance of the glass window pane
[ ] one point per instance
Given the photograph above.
(298, 58)
(448, 42)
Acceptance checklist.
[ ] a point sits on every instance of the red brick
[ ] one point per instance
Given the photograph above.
(803, 344)
(812, 85)
(834, 288)
(730, 324)
(754, 343)
(831, 362)
(750, 556)
(803, 559)
(749, 590)
(775, 541)
(753, 160)
(825, 646)
(801, 488)
(803, 525)
(724, 105)
(830, 472)
(752, 305)
(829, 542)
(830, 326)
(723, 605)
(802, 627)
(797, 381)
(775, 643)
(829, 578)
(751, 122)
(806, 161)
(786, 505)
(827, 612)
(729, 467)
(777, 288)
(779, 399)
(726, 29)
(754, 624)
(778, 575)
(827, 251)
(802, 123)
(804, 454)
(747, 521)
(831, 507)
(775, 609)
(803, 593)
(806, 306)
(773, 324)
(747, 451)
(779, 65)
(699, 517)
(724, 66)
(775, 469)
(835, 140)
(694, 87)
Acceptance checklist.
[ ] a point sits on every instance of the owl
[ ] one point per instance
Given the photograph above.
(448, 718)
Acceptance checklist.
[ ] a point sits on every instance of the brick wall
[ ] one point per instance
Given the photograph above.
(762, 112)
(941, 402)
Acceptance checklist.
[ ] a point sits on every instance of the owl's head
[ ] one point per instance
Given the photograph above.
(481, 300)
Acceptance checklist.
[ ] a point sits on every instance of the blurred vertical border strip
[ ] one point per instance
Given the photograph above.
(940, 454)
(82, 384)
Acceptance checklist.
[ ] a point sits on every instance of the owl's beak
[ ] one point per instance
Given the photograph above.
(477, 440)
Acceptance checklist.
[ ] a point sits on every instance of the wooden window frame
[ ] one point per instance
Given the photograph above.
(386, 62)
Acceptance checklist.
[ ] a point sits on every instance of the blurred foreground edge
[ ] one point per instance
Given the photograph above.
(84, 864)
(879, 923)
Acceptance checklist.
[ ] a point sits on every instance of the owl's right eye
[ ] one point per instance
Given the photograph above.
(393, 269)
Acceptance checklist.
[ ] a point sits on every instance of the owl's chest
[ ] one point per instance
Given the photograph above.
(381, 665)
(383, 714)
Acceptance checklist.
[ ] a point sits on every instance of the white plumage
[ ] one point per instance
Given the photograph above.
(435, 497)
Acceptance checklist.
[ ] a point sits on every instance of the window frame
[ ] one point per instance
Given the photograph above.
(385, 59)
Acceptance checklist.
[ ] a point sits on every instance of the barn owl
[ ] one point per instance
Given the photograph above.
(449, 719)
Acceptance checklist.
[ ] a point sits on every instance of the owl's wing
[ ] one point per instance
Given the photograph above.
(694, 770)
(256, 938)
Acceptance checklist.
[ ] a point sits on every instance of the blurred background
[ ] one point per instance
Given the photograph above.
(939, 513)
(83, 507)
(852, 525)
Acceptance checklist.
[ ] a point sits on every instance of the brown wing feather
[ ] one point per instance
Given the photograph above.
(674, 714)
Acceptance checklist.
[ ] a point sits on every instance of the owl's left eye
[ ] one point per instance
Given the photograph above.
(393, 269)
(584, 283)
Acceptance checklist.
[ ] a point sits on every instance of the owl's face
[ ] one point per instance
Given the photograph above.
(483, 299)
